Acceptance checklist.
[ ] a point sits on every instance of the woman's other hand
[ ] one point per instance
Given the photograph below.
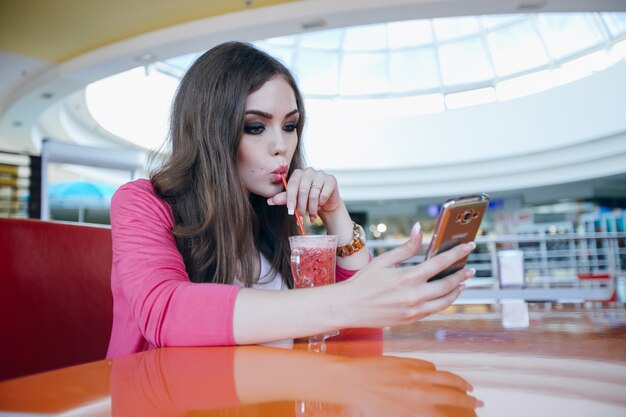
(310, 191)
(392, 386)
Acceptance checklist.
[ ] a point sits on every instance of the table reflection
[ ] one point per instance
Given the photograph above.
(260, 380)
(568, 360)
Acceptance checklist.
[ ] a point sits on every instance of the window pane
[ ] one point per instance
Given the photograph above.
(569, 33)
(183, 62)
(454, 27)
(494, 21)
(318, 72)
(464, 62)
(152, 94)
(282, 53)
(616, 23)
(364, 73)
(282, 40)
(365, 38)
(325, 39)
(413, 70)
(411, 33)
(516, 48)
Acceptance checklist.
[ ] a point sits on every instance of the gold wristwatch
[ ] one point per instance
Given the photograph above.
(358, 242)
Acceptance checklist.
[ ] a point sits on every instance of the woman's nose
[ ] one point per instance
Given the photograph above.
(279, 144)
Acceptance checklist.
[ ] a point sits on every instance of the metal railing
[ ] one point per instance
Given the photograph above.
(550, 261)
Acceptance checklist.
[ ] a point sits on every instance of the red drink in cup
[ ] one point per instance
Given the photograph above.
(313, 260)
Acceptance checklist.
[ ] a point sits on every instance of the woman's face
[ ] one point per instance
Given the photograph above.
(269, 137)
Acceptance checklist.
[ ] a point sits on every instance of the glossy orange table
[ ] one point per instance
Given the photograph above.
(570, 360)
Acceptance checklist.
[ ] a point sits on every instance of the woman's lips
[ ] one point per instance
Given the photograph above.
(278, 172)
(276, 179)
(281, 170)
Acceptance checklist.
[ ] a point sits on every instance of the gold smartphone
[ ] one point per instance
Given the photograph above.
(458, 222)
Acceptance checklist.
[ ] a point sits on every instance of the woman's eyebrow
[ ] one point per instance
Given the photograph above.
(269, 116)
(259, 113)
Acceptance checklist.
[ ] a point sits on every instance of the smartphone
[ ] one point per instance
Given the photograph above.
(458, 222)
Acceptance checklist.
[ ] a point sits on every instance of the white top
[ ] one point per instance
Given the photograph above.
(269, 279)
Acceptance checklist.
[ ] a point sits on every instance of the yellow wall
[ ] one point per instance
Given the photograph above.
(57, 30)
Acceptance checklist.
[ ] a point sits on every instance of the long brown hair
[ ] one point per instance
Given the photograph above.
(219, 228)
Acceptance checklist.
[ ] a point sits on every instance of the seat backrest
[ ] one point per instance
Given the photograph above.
(56, 306)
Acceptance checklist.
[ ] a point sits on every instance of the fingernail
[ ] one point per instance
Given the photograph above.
(290, 211)
(417, 227)
(479, 403)
(312, 218)
(270, 202)
(470, 246)
(470, 272)
(469, 387)
(462, 286)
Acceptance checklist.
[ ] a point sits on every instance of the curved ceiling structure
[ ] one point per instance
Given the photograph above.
(442, 55)
(570, 133)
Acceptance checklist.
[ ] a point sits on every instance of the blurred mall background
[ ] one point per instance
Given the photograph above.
(409, 102)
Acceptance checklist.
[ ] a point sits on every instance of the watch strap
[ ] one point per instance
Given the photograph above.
(354, 246)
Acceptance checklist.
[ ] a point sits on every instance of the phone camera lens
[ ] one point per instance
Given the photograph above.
(467, 216)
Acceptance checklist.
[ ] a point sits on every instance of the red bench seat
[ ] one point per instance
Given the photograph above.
(56, 306)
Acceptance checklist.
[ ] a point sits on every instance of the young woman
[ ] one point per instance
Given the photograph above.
(196, 248)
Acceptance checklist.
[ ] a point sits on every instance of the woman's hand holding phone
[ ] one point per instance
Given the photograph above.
(381, 294)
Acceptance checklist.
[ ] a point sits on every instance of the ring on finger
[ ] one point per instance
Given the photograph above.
(316, 186)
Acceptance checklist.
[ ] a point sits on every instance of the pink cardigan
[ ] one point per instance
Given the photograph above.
(154, 303)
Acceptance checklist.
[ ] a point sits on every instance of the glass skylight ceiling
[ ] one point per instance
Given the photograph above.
(427, 66)
(446, 55)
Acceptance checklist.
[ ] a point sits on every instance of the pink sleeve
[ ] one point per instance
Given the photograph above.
(159, 382)
(149, 272)
(345, 274)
